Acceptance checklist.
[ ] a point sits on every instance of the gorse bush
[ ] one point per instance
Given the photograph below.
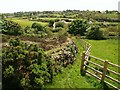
(51, 22)
(38, 28)
(59, 24)
(78, 27)
(11, 28)
(95, 33)
(25, 66)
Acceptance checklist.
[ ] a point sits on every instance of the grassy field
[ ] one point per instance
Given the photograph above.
(25, 22)
(107, 50)
(52, 18)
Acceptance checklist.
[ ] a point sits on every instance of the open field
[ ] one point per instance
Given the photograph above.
(25, 22)
(105, 49)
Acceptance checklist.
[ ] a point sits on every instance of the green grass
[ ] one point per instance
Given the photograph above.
(111, 16)
(52, 18)
(25, 22)
(71, 77)
(105, 49)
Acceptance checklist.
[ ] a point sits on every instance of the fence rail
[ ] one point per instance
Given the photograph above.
(85, 65)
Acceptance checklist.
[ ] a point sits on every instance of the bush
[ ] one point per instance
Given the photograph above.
(49, 31)
(78, 27)
(27, 29)
(51, 22)
(57, 29)
(113, 29)
(59, 24)
(11, 28)
(95, 33)
(25, 66)
(56, 20)
(38, 28)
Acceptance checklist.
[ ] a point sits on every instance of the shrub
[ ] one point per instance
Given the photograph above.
(27, 29)
(59, 24)
(51, 22)
(57, 29)
(56, 20)
(11, 28)
(49, 31)
(78, 27)
(38, 28)
(25, 66)
(94, 33)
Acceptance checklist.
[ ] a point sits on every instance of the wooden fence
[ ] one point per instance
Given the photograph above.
(86, 60)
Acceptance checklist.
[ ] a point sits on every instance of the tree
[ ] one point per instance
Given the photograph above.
(78, 27)
(94, 33)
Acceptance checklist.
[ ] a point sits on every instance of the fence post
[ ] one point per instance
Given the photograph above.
(104, 70)
(82, 63)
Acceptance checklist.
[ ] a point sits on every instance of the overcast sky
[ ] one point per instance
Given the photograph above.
(7, 6)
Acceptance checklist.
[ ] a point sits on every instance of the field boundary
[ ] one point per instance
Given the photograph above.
(85, 65)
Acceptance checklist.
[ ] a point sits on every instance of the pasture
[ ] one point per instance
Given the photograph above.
(26, 22)
(106, 50)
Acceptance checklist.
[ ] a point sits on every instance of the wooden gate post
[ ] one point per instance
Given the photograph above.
(82, 63)
(104, 70)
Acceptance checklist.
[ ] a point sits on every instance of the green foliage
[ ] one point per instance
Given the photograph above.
(51, 22)
(57, 29)
(11, 28)
(38, 28)
(8, 71)
(15, 42)
(49, 31)
(27, 66)
(59, 24)
(95, 33)
(27, 29)
(78, 27)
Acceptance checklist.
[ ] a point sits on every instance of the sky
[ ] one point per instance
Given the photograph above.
(10, 6)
